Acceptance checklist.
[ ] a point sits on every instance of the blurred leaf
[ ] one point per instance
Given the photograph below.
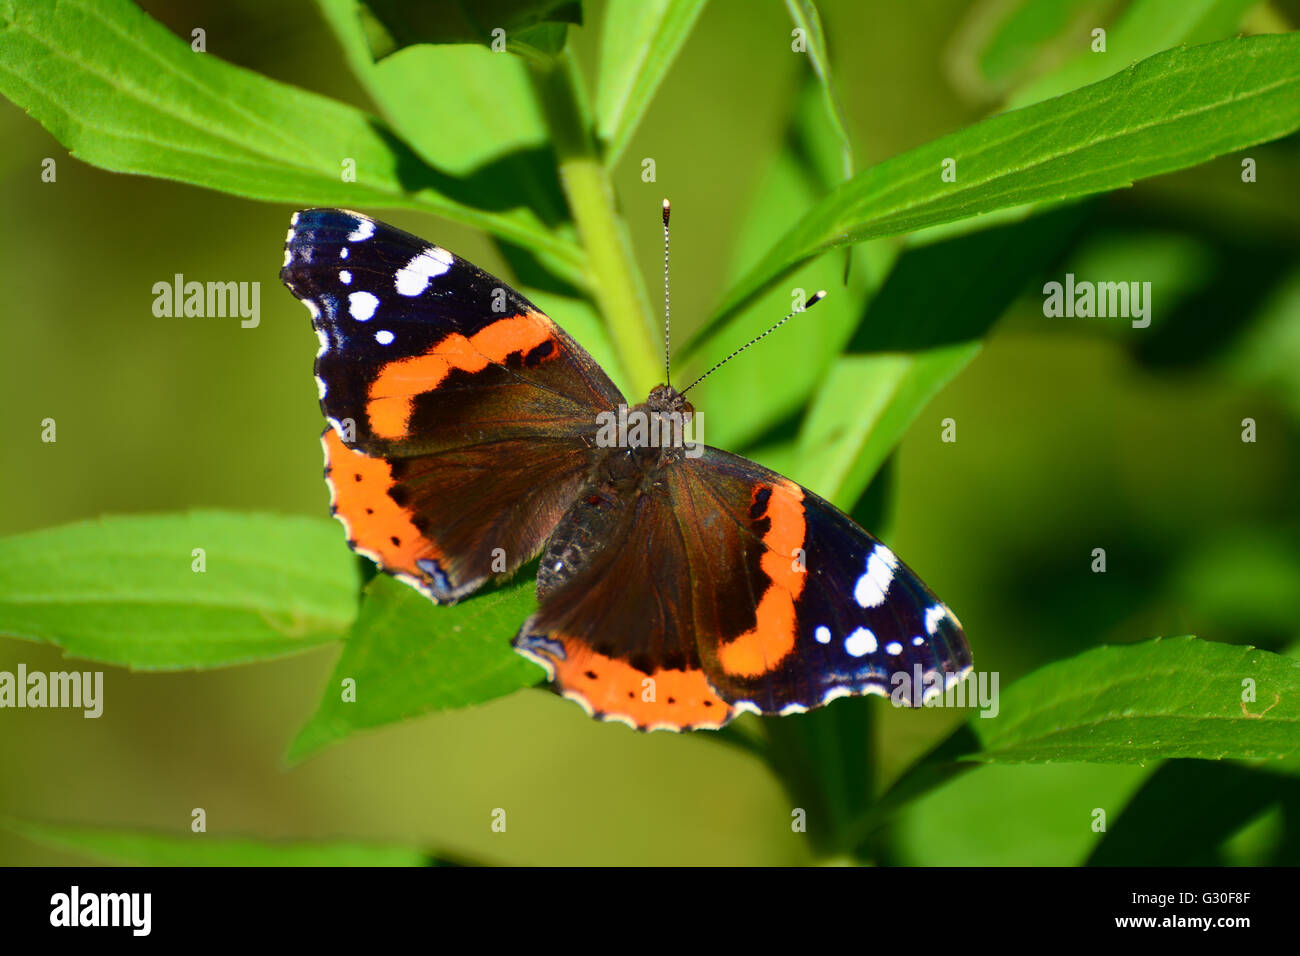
(1241, 580)
(1268, 354)
(999, 43)
(1173, 110)
(1144, 29)
(154, 848)
(934, 770)
(1180, 697)
(1012, 816)
(805, 16)
(122, 93)
(638, 44)
(120, 590)
(921, 329)
(409, 657)
(392, 25)
(824, 759)
(1186, 811)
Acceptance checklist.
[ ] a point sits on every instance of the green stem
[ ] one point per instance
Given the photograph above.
(615, 281)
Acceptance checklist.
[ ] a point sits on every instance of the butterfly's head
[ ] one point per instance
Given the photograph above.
(665, 398)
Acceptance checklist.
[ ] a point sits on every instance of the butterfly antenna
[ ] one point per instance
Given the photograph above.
(821, 294)
(668, 372)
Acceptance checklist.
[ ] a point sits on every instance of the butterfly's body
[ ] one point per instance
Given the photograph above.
(678, 584)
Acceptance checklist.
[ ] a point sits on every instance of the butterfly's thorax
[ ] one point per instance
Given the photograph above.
(636, 462)
(622, 477)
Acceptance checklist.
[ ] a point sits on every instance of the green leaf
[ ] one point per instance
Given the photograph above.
(1174, 110)
(393, 25)
(638, 44)
(1013, 815)
(123, 591)
(495, 112)
(154, 848)
(122, 93)
(1180, 697)
(863, 410)
(917, 335)
(1144, 29)
(805, 16)
(409, 657)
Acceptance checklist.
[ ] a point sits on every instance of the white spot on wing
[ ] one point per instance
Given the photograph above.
(345, 277)
(413, 278)
(823, 634)
(364, 230)
(933, 615)
(343, 253)
(873, 585)
(362, 305)
(384, 337)
(860, 643)
(893, 647)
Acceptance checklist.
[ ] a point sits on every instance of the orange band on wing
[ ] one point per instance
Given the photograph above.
(762, 649)
(393, 392)
(376, 526)
(611, 689)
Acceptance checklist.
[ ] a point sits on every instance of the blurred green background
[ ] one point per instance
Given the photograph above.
(1072, 434)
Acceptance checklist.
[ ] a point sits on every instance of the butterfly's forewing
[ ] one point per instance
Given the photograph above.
(460, 415)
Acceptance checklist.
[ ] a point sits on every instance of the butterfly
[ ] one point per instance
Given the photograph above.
(678, 585)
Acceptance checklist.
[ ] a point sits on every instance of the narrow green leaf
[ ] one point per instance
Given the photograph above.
(122, 93)
(863, 410)
(156, 848)
(125, 590)
(805, 16)
(409, 657)
(1180, 697)
(1174, 110)
(639, 42)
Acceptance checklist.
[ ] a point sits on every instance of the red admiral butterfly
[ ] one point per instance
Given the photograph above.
(678, 585)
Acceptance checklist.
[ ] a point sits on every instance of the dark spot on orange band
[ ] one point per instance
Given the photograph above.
(376, 524)
(680, 699)
(761, 650)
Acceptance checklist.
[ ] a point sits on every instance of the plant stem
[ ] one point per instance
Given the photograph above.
(615, 281)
